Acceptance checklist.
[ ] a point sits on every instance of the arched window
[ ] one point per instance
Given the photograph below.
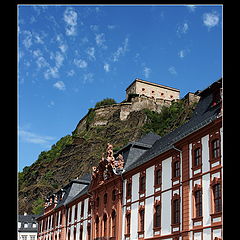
(113, 223)
(105, 225)
(97, 226)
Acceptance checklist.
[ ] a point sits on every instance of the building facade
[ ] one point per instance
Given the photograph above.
(167, 187)
(27, 227)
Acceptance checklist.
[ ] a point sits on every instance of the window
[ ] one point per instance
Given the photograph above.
(82, 209)
(81, 233)
(158, 176)
(141, 225)
(24, 237)
(76, 210)
(143, 89)
(25, 225)
(113, 223)
(176, 169)
(198, 203)
(152, 91)
(97, 226)
(129, 189)
(142, 183)
(216, 148)
(89, 207)
(74, 234)
(114, 193)
(217, 198)
(105, 198)
(88, 231)
(176, 211)
(105, 225)
(32, 237)
(157, 215)
(128, 220)
(69, 217)
(197, 157)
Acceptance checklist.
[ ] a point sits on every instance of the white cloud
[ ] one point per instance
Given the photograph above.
(27, 41)
(121, 50)
(111, 27)
(60, 85)
(210, 19)
(31, 137)
(146, 72)
(100, 40)
(70, 17)
(182, 29)
(106, 67)
(91, 53)
(51, 72)
(80, 63)
(172, 70)
(62, 46)
(183, 52)
(88, 78)
(59, 59)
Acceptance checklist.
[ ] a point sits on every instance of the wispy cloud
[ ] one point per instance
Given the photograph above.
(59, 85)
(183, 52)
(80, 63)
(106, 67)
(91, 53)
(211, 20)
(100, 40)
(182, 29)
(30, 137)
(51, 72)
(121, 50)
(146, 72)
(88, 78)
(172, 70)
(70, 18)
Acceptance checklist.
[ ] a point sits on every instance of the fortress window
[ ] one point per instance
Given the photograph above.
(143, 89)
(152, 91)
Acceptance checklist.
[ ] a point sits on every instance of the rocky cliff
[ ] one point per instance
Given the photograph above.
(75, 154)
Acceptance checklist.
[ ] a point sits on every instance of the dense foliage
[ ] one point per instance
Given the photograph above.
(105, 102)
(38, 206)
(169, 118)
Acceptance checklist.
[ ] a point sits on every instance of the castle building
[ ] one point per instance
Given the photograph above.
(167, 187)
(152, 90)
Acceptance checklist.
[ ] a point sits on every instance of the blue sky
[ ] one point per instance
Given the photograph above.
(72, 56)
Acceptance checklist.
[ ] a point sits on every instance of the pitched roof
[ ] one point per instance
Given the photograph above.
(204, 114)
(30, 220)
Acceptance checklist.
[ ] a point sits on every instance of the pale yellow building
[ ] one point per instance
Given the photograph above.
(152, 90)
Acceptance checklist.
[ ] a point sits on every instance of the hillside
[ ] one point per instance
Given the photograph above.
(75, 154)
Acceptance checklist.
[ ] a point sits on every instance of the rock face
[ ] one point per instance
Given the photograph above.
(117, 123)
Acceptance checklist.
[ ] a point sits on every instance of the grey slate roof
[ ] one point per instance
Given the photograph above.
(134, 150)
(29, 219)
(73, 189)
(204, 114)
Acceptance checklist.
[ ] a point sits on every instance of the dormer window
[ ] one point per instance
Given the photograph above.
(25, 225)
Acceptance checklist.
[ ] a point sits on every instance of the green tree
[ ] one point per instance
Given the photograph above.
(105, 102)
(38, 206)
